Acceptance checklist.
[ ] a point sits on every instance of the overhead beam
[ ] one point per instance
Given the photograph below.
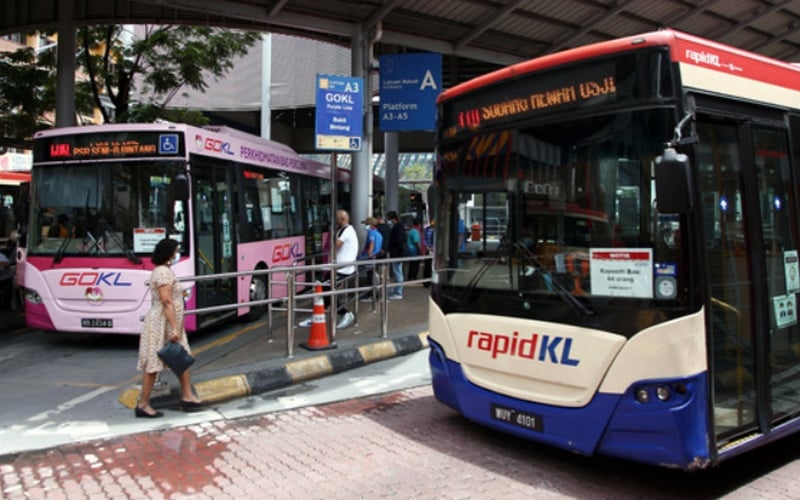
(495, 18)
(590, 25)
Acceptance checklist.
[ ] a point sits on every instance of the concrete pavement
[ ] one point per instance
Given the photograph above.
(260, 364)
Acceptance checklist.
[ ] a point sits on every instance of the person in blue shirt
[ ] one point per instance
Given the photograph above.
(427, 237)
(462, 236)
(373, 249)
(415, 247)
(374, 242)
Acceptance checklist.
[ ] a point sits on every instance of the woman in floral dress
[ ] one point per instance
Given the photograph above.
(163, 323)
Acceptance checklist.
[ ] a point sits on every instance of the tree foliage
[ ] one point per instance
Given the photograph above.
(23, 93)
(417, 171)
(160, 63)
(115, 66)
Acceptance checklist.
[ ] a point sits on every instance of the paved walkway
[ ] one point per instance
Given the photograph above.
(259, 364)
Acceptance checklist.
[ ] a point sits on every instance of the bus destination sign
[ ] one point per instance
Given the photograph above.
(529, 96)
(108, 145)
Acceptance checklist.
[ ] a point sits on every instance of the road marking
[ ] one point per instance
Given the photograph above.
(67, 405)
(228, 338)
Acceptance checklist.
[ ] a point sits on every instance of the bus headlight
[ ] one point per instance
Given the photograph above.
(642, 395)
(32, 297)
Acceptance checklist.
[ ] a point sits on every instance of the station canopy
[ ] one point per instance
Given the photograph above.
(475, 36)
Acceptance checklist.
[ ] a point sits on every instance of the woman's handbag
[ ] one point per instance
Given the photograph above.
(175, 356)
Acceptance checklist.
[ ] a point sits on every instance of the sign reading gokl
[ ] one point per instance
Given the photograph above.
(544, 348)
(339, 115)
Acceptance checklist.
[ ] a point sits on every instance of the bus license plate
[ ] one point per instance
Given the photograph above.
(97, 323)
(516, 417)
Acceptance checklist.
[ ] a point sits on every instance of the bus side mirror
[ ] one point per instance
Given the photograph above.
(673, 183)
(180, 185)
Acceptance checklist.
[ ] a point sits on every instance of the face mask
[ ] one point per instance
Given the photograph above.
(175, 259)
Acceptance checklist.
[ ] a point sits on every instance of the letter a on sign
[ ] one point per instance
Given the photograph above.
(428, 81)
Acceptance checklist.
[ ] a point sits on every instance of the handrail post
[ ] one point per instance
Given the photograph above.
(290, 293)
(269, 308)
(334, 306)
(384, 300)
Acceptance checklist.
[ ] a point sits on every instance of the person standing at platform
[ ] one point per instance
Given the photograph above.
(397, 248)
(428, 237)
(346, 251)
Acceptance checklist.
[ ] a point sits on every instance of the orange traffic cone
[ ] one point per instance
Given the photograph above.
(318, 338)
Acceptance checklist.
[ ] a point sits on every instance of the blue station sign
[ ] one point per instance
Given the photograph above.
(410, 84)
(339, 117)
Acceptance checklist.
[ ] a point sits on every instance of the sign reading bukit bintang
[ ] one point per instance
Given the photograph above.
(339, 117)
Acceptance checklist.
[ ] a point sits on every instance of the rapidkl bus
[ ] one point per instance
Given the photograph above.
(641, 301)
(103, 196)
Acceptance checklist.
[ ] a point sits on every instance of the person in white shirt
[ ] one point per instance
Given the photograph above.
(346, 251)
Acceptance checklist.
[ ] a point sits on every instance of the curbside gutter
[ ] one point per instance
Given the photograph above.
(259, 381)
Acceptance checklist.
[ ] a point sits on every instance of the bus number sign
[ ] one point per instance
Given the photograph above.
(108, 145)
(527, 97)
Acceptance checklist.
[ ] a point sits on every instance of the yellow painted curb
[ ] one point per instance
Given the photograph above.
(305, 369)
(129, 398)
(377, 351)
(221, 389)
(423, 337)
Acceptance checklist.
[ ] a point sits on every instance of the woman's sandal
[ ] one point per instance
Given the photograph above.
(189, 406)
(141, 413)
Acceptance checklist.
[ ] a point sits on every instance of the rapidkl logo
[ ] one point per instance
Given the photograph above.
(545, 348)
(287, 252)
(93, 279)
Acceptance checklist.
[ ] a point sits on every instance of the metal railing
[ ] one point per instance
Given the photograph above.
(293, 278)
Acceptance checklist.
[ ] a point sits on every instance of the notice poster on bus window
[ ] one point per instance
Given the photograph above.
(785, 308)
(146, 238)
(791, 269)
(622, 272)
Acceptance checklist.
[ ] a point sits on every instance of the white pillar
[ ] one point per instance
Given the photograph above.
(361, 189)
(391, 142)
(266, 85)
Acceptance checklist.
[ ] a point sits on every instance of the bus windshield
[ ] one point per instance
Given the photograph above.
(115, 208)
(561, 213)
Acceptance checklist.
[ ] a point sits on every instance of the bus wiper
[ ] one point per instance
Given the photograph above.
(473, 282)
(128, 251)
(551, 282)
(62, 247)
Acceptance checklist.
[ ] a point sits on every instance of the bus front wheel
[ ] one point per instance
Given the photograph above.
(258, 291)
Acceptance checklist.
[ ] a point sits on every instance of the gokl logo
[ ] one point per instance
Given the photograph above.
(545, 348)
(286, 252)
(93, 279)
(218, 146)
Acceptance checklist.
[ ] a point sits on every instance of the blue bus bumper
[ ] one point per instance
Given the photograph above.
(672, 433)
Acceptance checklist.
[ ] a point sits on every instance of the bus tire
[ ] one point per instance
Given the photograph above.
(258, 291)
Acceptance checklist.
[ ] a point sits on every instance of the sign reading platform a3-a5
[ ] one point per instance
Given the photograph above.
(339, 118)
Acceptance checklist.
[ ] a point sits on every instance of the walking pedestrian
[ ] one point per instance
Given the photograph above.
(163, 323)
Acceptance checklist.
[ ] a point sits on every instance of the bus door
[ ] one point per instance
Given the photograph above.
(751, 245)
(214, 236)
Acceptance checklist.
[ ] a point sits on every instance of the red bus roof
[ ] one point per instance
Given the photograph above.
(687, 49)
